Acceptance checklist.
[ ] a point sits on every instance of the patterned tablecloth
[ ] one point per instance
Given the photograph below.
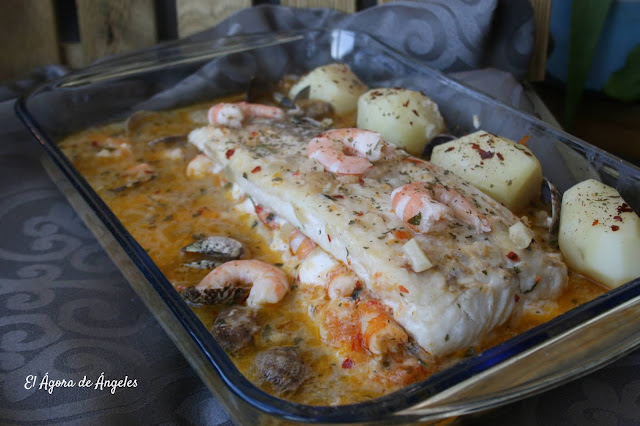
(67, 313)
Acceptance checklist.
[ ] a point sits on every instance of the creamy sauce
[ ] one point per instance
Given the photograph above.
(165, 210)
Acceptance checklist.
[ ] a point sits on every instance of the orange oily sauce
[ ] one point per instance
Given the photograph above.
(164, 211)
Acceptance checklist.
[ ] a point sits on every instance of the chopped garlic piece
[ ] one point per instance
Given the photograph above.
(199, 167)
(236, 192)
(521, 235)
(419, 261)
(173, 154)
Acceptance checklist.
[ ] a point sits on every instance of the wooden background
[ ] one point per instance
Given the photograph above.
(76, 32)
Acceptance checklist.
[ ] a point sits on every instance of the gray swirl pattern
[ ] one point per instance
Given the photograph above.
(66, 311)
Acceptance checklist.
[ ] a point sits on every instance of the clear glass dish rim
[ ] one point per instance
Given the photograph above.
(385, 408)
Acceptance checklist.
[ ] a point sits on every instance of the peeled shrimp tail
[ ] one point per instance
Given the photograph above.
(299, 244)
(234, 114)
(380, 332)
(428, 207)
(346, 151)
(268, 284)
(462, 208)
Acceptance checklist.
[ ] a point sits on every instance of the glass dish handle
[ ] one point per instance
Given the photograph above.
(564, 357)
(174, 54)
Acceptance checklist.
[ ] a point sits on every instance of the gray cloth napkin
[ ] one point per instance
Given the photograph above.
(449, 35)
(65, 310)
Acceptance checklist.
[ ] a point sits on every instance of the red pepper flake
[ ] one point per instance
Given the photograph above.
(361, 181)
(401, 235)
(95, 144)
(359, 213)
(538, 278)
(405, 104)
(483, 154)
(524, 140)
(256, 169)
(500, 156)
(618, 218)
(415, 112)
(516, 298)
(512, 256)
(403, 289)
(229, 153)
(295, 174)
(149, 172)
(450, 149)
(329, 237)
(624, 208)
(347, 363)
(254, 134)
(339, 196)
(614, 228)
(595, 222)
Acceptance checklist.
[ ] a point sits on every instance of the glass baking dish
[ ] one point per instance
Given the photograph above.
(182, 73)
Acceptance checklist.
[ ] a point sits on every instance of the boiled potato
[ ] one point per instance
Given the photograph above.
(335, 84)
(503, 169)
(403, 117)
(599, 233)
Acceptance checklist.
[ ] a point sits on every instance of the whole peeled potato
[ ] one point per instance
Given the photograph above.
(599, 233)
(501, 168)
(335, 84)
(403, 117)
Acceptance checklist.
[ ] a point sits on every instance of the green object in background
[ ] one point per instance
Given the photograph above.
(587, 21)
(624, 84)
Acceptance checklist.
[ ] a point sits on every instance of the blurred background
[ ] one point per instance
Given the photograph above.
(585, 69)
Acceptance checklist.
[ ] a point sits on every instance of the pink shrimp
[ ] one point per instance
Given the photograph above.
(233, 114)
(268, 284)
(380, 332)
(299, 244)
(139, 170)
(341, 282)
(427, 207)
(346, 151)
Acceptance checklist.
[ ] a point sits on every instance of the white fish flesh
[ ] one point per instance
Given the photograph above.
(478, 279)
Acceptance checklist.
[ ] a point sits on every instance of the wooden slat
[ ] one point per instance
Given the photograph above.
(28, 37)
(347, 6)
(115, 26)
(72, 55)
(197, 15)
(542, 16)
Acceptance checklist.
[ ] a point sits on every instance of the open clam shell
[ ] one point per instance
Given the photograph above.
(213, 296)
(211, 252)
(437, 140)
(219, 247)
(203, 264)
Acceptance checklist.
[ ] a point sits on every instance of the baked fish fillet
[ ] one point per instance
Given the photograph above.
(477, 281)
